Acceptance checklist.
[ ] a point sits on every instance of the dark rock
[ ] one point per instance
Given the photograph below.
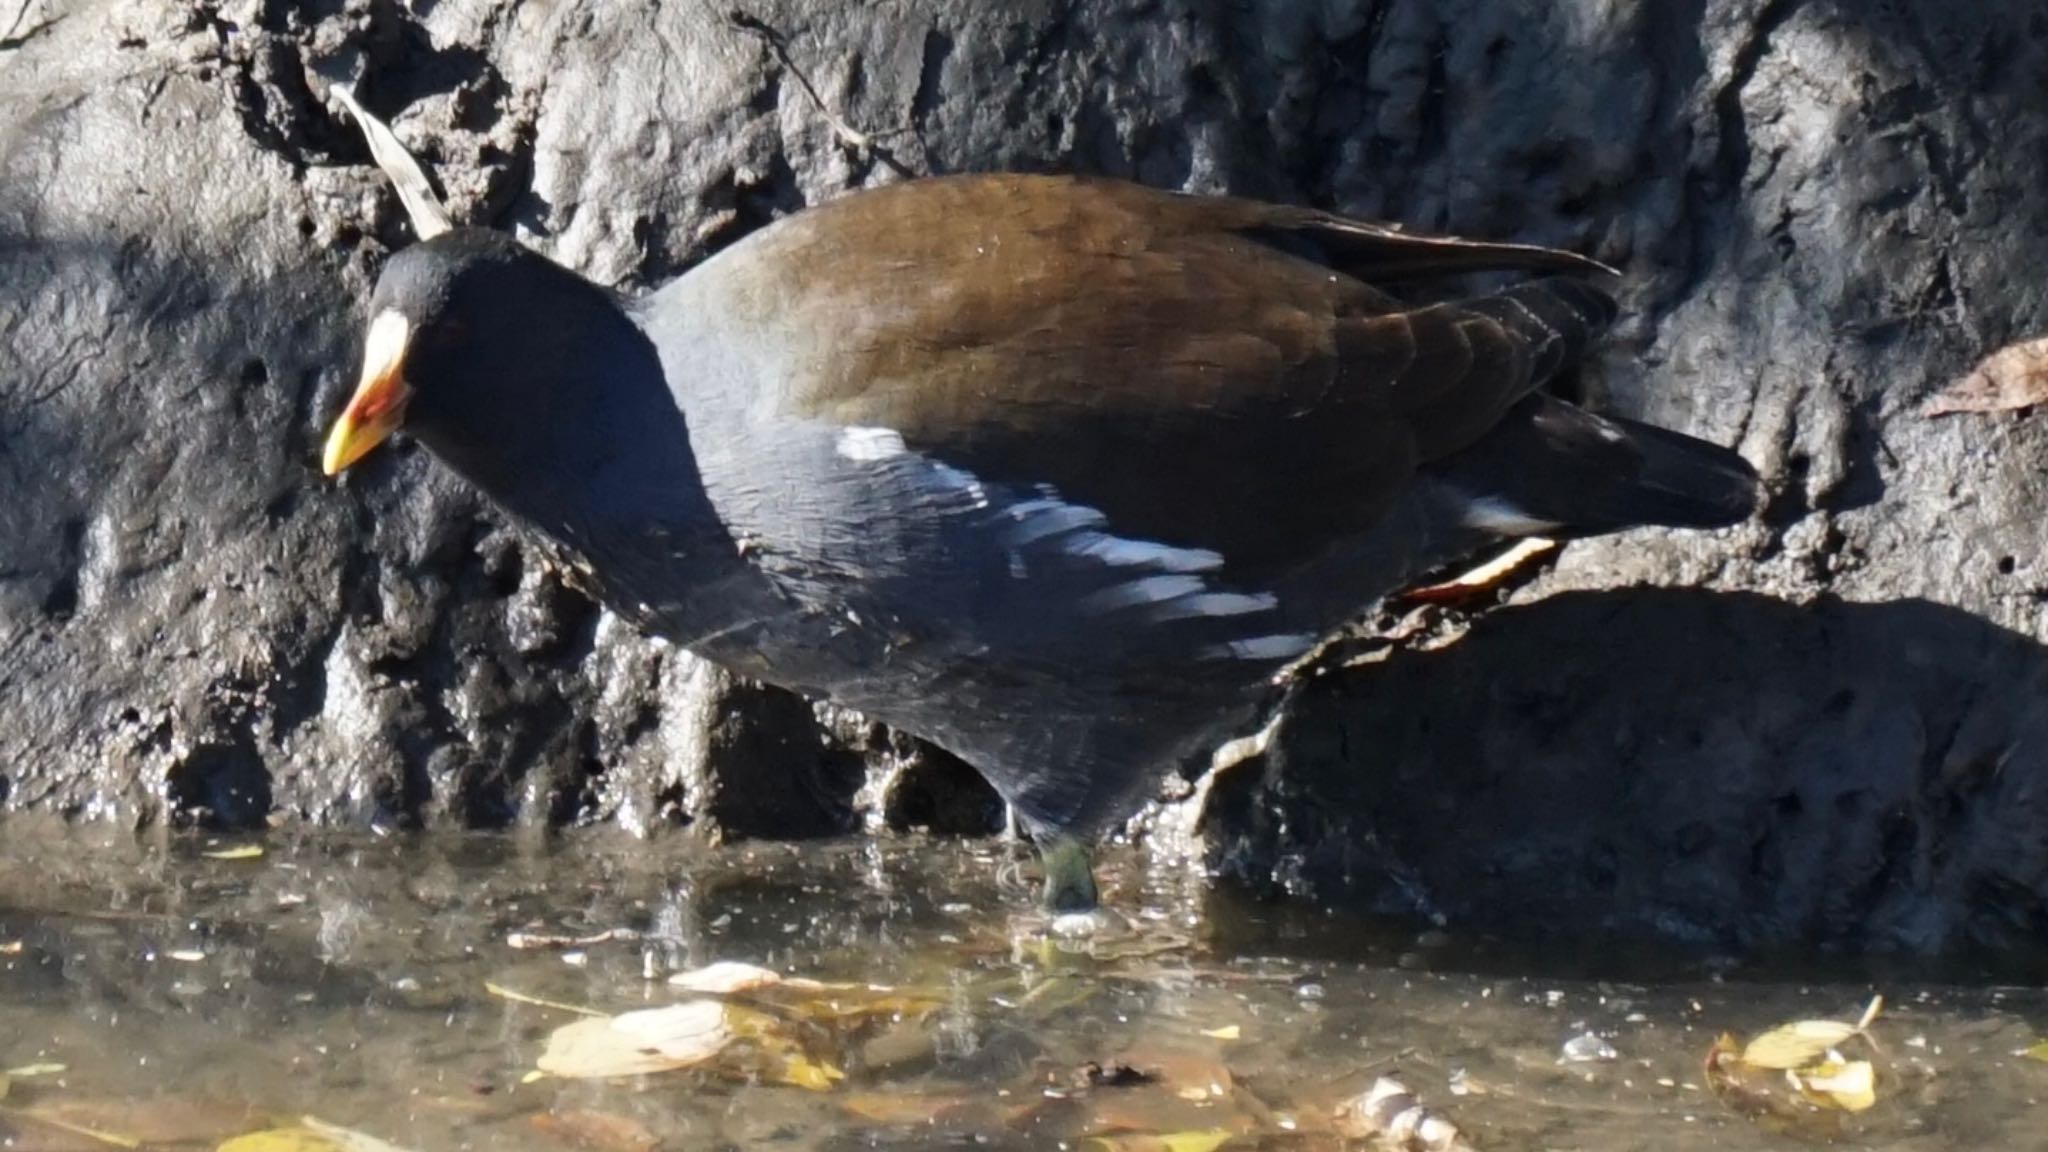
(1826, 211)
(1719, 768)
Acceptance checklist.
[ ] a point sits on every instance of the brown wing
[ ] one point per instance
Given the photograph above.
(1208, 372)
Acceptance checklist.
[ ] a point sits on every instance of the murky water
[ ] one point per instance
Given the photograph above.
(178, 1000)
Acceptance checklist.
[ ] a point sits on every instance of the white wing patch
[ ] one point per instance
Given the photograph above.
(1496, 514)
(1280, 646)
(1154, 582)
(867, 445)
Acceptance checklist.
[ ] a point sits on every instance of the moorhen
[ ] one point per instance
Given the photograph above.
(1055, 472)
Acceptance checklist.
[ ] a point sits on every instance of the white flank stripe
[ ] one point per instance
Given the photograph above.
(1037, 519)
(977, 494)
(1494, 514)
(1216, 604)
(1119, 550)
(1149, 590)
(1277, 647)
(868, 444)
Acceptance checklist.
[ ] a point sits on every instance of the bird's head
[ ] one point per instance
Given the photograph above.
(472, 339)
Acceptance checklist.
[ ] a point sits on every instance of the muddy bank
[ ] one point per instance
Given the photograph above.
(1825, 212)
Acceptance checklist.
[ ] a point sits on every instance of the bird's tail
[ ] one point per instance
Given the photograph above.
(1552, 469)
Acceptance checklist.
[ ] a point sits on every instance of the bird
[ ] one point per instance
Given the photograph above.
(1057, 472)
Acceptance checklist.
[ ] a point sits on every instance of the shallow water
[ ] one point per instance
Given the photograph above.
(190, 999)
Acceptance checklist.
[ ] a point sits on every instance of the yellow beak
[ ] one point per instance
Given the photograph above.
(378, 406)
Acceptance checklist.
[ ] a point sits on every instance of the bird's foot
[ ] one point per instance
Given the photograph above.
(1069, 877)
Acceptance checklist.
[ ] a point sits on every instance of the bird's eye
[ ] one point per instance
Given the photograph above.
(446, 333)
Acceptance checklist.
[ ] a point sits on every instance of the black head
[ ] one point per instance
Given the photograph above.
(481, 349)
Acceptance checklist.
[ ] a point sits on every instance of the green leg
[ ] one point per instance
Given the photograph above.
(1069, 875)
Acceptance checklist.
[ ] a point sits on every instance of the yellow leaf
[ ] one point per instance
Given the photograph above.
(803, 1072)
(1804, 1042)
(294, 1139)
(2037, 1052)
(1227, 1032)
(1795, 1045)
(1850, 1085)
(239, 852)
(1202, 1140)
(28, 1070)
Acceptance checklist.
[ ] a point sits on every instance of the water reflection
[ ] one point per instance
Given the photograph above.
(154, 992)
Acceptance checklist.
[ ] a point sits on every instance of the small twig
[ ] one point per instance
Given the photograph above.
(9, 40)
(504, 993)
(14, 26)
(853, 139)
(111, 1139)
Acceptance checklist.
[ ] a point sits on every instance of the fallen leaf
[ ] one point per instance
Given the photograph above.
(2015, 376)
(1390, 1113)
(1227, 1032)
(637, 1043)
(1203, 1140)
(783, 1057)
(239, 852)
(2037, 1052)
(1850, 1085)
(294, 1139)
(1804, 1042)
(1795, 1045)
(28, 1070)
(731, 977)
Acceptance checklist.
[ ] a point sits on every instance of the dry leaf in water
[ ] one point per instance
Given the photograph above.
(2015, 376)
(1804, 1043)
(1203, 1140)
(1390, 1114)
(1850, 1085)
(637, 1043)
(1795, 1045)
(732, 977)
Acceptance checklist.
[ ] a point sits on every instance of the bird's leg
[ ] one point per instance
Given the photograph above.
(1069, 875)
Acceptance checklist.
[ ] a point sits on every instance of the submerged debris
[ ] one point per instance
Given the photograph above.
(1794, 1077)
(1390, 1114)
